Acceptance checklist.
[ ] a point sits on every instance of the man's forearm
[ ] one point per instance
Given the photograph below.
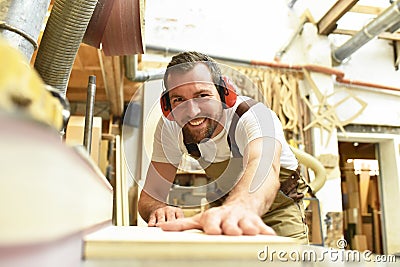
(257, 188)
(159, 179)
(260, 200)
(147, 205)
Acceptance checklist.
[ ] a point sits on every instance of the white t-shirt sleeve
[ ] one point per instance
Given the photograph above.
(165, 144)
(260, 121)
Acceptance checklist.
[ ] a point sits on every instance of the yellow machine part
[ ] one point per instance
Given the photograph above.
(23, 92)
(314, 164)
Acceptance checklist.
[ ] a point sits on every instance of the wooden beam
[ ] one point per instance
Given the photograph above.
(89, 57)
(371, 10)
(79, 94)
(78, 65)
(328, 22)
(384, 35)
(396, 48)
(113, 76)
(79, 78)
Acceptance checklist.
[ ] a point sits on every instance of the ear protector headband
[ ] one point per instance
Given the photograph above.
(226, 90)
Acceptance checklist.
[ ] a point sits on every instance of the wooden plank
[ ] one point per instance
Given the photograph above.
(89, 54)
(373, 195)
(119, 207)
(376, 218)
(78, 65)
(354, 200)
(135, 242)
(371, 10)
(364, 184)
(354, 217)
(79, 94)
(75, 132)
(316, 222)
(328, 22)
(113, 76)
(80, 78)
(396, 51)
(359, 243)
(351, 178)
(367, 229)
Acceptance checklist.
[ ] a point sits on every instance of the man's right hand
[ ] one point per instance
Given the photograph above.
(165, 214)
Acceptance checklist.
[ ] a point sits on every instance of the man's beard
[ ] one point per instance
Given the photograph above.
(191, 137)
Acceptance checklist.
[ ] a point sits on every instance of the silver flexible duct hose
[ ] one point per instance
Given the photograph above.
(20, 23)
(61, 39)
(386, 20)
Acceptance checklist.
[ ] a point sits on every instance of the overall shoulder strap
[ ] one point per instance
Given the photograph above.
(193, 150)
(240, 110)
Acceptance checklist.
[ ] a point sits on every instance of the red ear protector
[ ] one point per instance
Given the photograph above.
(226, 90)
(166, 106)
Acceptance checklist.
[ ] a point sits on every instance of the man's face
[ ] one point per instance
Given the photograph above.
(196, 104)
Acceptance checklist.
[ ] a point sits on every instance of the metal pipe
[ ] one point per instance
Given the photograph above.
(61, 40)
(291, 3)
(297, 32)
(311, 67)
(175, 51)
(135, 75)
(384, 21)
(20, 23)
(91, 93)
(394, 27)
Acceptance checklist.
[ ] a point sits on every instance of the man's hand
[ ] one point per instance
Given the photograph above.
(227, 220)
(165, 214)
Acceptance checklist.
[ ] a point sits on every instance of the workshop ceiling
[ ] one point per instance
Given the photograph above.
(90, 61)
